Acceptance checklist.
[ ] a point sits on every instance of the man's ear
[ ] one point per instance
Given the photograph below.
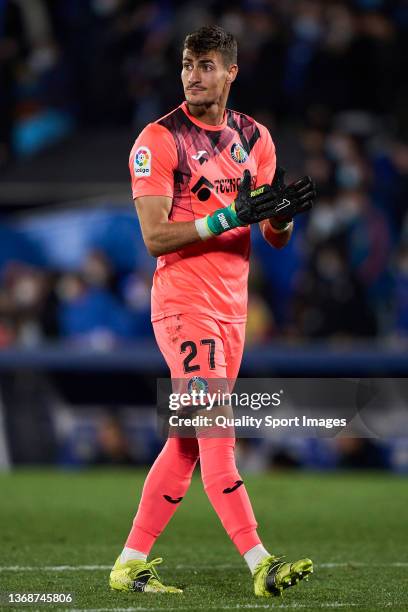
(232, 73)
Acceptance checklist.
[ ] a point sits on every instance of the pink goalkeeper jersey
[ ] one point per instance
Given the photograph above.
(200, 166)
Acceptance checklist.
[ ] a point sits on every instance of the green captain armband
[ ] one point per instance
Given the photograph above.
(222, 220)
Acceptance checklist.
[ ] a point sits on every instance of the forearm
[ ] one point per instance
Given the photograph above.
(168, 237)
(273, 236)
(164, 237)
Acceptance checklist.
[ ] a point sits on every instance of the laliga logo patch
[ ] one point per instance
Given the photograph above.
(143, 162)
(197, 384)
(238, 153)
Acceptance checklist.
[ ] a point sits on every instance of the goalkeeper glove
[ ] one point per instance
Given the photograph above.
(253, 206)
(296, 198)
(248, 207)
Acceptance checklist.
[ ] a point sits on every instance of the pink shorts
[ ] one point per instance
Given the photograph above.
(199, 345)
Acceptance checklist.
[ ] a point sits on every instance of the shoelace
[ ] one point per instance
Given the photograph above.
(277, 564)
(149, 569)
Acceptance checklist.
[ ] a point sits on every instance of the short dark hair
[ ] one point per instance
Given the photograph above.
(213, 38)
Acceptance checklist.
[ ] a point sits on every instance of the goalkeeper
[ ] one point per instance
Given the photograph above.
(201, 176)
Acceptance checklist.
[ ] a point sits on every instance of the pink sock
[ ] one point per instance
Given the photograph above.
(163, 490)
(226, 491)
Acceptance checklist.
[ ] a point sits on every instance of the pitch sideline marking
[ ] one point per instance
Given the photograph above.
(75, 568)
(335, 604)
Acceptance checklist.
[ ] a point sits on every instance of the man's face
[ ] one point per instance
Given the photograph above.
(205, 78)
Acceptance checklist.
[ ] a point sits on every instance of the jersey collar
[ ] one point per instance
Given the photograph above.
(204, 126)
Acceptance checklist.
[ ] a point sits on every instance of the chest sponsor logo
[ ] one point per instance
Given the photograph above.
(203, 187)
(227, 185)
(230, 185)
(238, 153)
(143, 162)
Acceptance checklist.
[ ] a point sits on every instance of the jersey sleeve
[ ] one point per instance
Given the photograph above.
(152, 162)
(266, 157)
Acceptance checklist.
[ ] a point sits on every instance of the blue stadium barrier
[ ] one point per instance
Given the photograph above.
(144, 357)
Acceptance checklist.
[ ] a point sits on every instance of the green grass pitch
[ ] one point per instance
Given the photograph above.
(354, 527)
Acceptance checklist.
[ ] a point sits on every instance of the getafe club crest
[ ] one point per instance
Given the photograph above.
(238, 153)
(197, 384)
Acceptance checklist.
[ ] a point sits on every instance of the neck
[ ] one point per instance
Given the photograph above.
(213, 114)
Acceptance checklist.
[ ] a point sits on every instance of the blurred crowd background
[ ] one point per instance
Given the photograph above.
(79, 79)
(328, 78)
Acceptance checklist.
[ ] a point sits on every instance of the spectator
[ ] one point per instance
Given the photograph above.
(330, 89)
(401, 295)
(91, 315)
(330, 301)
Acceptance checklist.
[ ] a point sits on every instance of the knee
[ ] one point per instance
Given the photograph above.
(186, 448)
